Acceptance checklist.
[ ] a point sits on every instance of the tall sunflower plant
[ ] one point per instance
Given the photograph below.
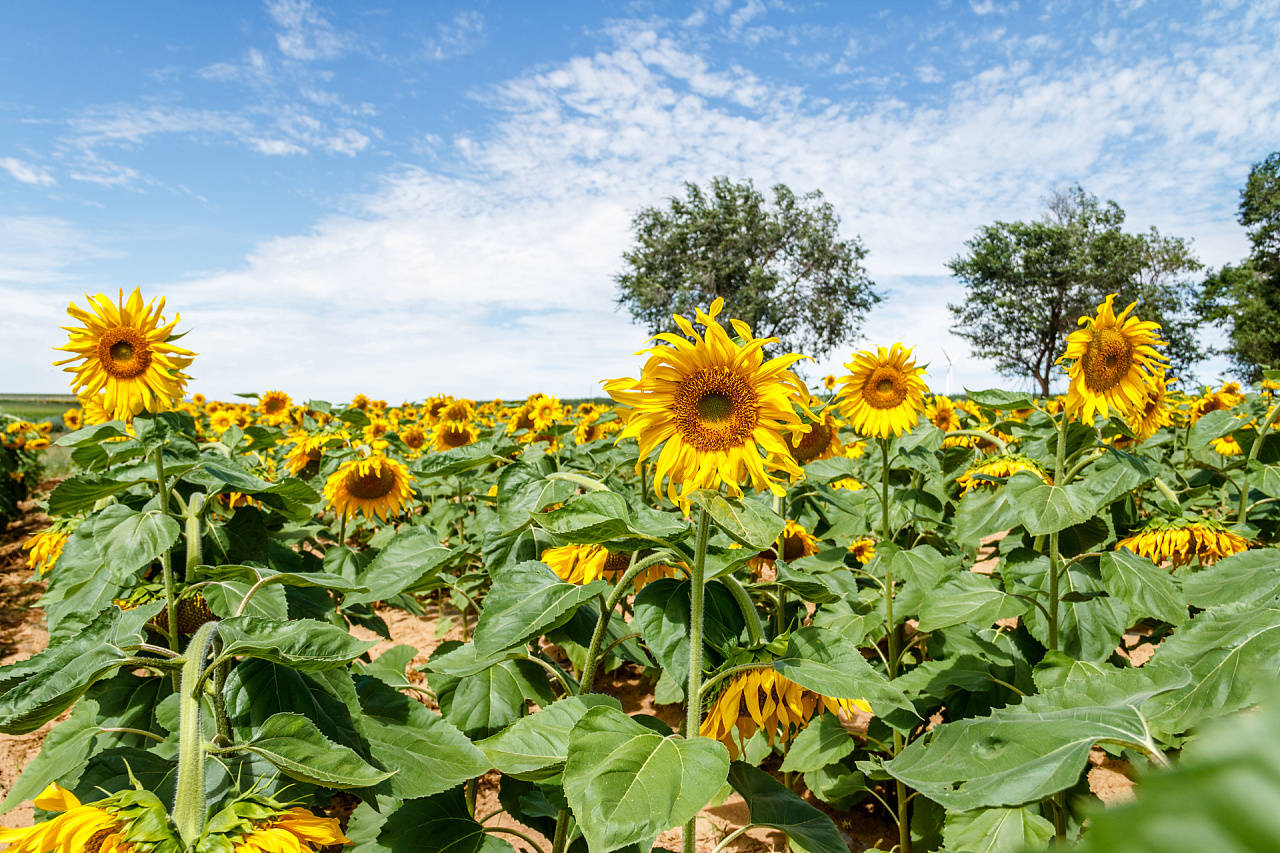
(876, 598)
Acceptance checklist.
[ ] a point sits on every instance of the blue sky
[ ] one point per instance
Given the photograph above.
(407, 198)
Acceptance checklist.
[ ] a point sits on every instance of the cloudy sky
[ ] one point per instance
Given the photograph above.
(409, 198)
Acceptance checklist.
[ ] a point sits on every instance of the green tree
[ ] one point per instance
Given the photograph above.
(1244, 299)
(781, 267)
(1028, 283)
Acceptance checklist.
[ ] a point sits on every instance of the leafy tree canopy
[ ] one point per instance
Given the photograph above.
(1028, 283)
(1245, 299)
(781, 266)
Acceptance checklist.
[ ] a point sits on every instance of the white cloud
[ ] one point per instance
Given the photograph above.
(27, 173)
(460, 36)
(305, 33)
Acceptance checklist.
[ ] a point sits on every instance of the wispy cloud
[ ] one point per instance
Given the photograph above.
(27, 173)
(305, 33)
(459, 36)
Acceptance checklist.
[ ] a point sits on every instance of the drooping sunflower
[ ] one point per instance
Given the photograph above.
(1154, 412)
(450, 434)
(582, 564)
(294, 831)
(883, 393)
(765, 700)
(863, 550)
(1114, 362)
(95, 411)
(414, 437)
(45, 547)
(304, 458)
(712, 405)
(273, 406)
(123, 350)
(373, 485)
(457, 410)
(986, 473)
(1181, 540)
(99, 827)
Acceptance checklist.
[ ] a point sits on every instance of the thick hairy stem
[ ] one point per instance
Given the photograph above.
(693, 717)
(1055, 567)
(895, 647)
(606, 613)
(166, 561)
(195, 554)
(189, 798)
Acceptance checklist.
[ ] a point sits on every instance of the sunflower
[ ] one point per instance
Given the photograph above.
(360, 402)
(1154, 412)
(712, 405)
(883, 392)
(122, 349)
(451, 434)
(294, 831)
(848, 483)
(222, 420)
(544, 411)
(304, 459)
(1114, 363)
(95, 410)
(457, 410)
(985, 473)
(94, 828)
(274, 407)
(941, 412)
(414, 437)
(1225, 446)
(374, 486)
(822, 441)
(1182, 540)
(582, 564)
(829, 382)
(863, 550)
(763, 699)
(1231, 394)
(45, 547)
(73, 418)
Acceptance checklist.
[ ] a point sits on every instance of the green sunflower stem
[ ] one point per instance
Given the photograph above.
(166, 560)
(189, 798)
(607, 607)
(191, 535)
(1055, 558)
(755, 630)
(1243, 516)
(693, 691)
(895, 645)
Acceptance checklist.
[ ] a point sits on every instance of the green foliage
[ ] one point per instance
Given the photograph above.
(781, 267)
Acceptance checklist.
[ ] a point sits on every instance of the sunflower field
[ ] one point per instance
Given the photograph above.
(861, 600)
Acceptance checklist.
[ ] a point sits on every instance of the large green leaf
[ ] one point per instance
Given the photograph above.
(995, 398)
(1027, 752)
(304, 644)
(525, 601)
(969, 598)
(1090, 621)
(1233, 653)
(79, 493)
(981, 513)
(534, 747)
(747, 522)
(129, 540)
(411, 559)
(996, 831)
(662, 615)
(824, 741)
(588, 519)
(1148, 591)
(626, 783)
(1244, 578)
(63, 754)
(293, 744)
(442, 821)
(1220, 796)
(427, 754)
(827, 663)
(1214, 425)
(492, 699)
(1042, 508)
(771, 804)
(257, 690)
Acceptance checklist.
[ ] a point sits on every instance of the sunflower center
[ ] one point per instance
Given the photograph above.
(616, 563)
(123, 353)
(811, 445)
(274, 405)
(792, 548)
(94, 842)
(715, 409)
(454, 437)
(375, 484)
(885, 388)
(1107, 359)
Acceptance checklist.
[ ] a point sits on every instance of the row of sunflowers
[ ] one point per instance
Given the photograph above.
(867, 598)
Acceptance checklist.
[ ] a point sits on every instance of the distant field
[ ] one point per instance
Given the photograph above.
(37, 407)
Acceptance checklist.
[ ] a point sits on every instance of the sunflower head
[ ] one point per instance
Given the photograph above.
(941, 412)
(714, 406)
(883, 393)
(1227, 445)
(73, 418)
(991, 471)
(863, 550)
(375, 486)
(451, 434)
(123, 350)
(1113, 363)
(1180, 540)
(822, 441)
(125, 822)
(1154, 411)
(273, 406)
(45, 547)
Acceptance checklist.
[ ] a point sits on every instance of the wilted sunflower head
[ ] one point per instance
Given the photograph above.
(105, 826)
(765, 700)
(374, 486)
(123, 351)
(46, 546)
(991, 471)
(883, 393)
(713, 405)
(1181, 540)
(1114, 361)
(451, 434)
